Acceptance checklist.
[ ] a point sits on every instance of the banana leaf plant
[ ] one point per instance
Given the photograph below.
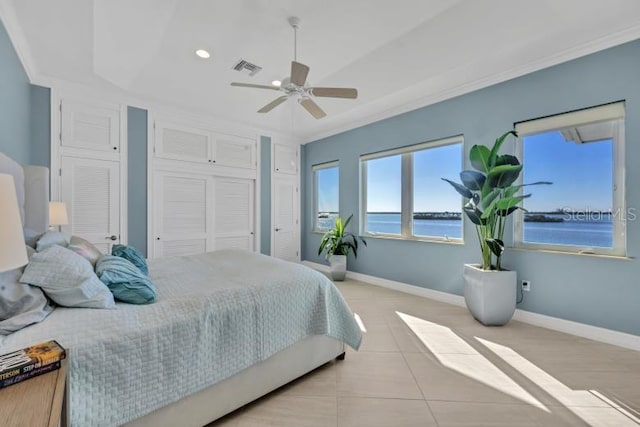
(491, 196)
(338, 241)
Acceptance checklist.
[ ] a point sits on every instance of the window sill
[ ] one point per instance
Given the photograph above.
(561, 252)
(413, 239)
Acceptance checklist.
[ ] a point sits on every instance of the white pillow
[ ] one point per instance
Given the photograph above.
(51, 238)
(67, 278)
(20, 304)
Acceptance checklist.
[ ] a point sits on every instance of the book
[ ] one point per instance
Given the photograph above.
(30, 362)
(33, 373)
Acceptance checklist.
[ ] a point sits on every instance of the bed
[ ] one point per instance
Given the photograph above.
(227, 328)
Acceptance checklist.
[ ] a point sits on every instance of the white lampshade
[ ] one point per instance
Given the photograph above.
(58, 213)
(13, 253)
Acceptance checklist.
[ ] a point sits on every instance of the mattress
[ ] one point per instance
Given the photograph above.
(216, 314)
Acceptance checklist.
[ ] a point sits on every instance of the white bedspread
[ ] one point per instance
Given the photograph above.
(216, 314)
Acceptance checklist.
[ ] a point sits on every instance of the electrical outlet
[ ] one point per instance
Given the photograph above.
(526, 285)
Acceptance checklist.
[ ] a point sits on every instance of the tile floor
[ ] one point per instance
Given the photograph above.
(426, 363)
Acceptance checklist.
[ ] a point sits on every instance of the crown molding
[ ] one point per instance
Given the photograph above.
(410, 101)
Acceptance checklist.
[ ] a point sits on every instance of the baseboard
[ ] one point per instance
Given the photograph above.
(595, 333)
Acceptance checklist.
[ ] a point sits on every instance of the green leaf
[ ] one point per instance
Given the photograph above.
(535, 183)
(496, 246)
(503, 176)
(475, 215)
(464, 191)
(508, 203)
(489, 198)
(507, 159)
(490, 210)
(508, 211)
(479, 156)
(472, 180)
(496, 147)
(511, 191)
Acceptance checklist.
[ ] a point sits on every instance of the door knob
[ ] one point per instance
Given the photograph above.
(114, 238)
(278, 229)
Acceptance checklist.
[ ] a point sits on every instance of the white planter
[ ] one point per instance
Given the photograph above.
(338, 265)
(490, 295)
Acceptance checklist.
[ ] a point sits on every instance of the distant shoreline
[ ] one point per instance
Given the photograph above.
(551, 217)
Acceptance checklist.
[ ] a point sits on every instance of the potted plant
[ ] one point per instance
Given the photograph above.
(491, 195)
(337, 242)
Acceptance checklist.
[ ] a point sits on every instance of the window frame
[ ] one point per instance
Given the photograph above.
(406, 182)
(614, 112)
(314, 170)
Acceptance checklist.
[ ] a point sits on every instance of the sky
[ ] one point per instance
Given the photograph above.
(430, 192)
(328, 197)
(582, 176)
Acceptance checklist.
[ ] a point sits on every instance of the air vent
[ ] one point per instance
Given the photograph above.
(247, 67)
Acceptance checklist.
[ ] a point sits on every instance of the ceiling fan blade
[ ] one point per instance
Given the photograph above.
(335, 92)
(254, 86)
(299, 73)
(273, 104)
(313, 108)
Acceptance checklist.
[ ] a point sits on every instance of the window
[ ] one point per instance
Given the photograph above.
(582, 154)
(403, 195)
(326, 198)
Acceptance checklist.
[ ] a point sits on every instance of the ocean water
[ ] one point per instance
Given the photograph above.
(593, 231)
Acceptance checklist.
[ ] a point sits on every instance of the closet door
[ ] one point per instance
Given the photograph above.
(178, 142)
(285, 239)
(91, 190)
(92, 126)
(285, 159)
(234, 218)
(234, 151)
(182, 214)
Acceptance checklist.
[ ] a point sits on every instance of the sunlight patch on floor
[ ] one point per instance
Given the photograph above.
(359, 322)
(590, 406)
(455, 353)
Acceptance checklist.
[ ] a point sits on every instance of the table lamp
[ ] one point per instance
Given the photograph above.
(58, 214)
(13, 253)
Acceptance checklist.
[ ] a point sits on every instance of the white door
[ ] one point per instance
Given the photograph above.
(92, 126)
(285, 159)
(178, 142)
(91, 190)
(182, 214)
(284, 235)
(234, 151)
(234, 220)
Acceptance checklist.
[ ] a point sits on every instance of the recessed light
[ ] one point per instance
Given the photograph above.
(276, 83)
(203, 54)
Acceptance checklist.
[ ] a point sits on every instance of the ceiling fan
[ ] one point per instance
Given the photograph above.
(296, 85)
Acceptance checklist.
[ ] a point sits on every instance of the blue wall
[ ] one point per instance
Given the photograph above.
(265, 195)
(15, 99)
(137, 178)
(597, 291)
(40, 137)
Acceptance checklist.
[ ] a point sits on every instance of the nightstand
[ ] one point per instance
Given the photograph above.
(35, 402)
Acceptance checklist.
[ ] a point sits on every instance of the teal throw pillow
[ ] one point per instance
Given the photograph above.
(125, 280)
(132, 254)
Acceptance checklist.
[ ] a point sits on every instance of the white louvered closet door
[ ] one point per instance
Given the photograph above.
(91, 190)
(90, 126)
(234, 222)
(182, 214)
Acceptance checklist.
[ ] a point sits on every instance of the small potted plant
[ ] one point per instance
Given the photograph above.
(491, 195)
(337, 242)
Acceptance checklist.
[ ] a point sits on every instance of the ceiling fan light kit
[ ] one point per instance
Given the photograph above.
(296, 84)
